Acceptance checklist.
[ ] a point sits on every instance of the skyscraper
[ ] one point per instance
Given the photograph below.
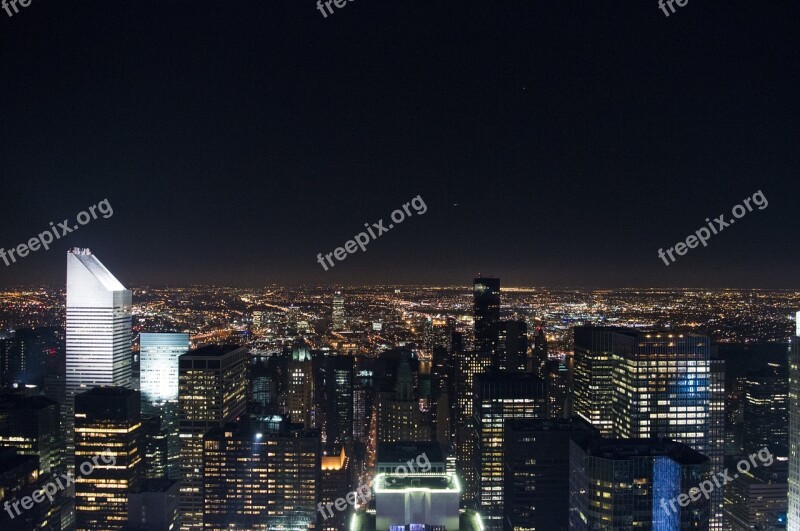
(594, 384)
(469, 364)
(793, 515)
(617, 484)
(261, 476)
(338, 311)
(333, 388)
(498, 398)
(98, 331)
(158, 355)
(766, 408)
(30, 424)
(512, 345)
(300, 401)
(486, 312)
(662, 387)
(107, 424)
(212, 392)
(399, 417)
(536, 480)
(716, 437)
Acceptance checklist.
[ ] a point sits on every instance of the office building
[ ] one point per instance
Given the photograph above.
(500, 396)
(486, 313)
(333, 386)
(716, 437)
(662, 387)
(618, 485)
(212, 384)
(593, 374)
(261, 476)
(153, 505)
(536, 471)
(766, 408)
(399, 416)
(756, 499)
(469, 364)
(31, 425)
(793, 514)
(336, 481)
(338, 312)
(512, 346)
(154, 447)
(300, 401)
(108, 462)
(159, 355)
(98, 332)
(20, 478)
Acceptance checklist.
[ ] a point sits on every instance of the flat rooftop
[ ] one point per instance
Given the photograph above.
(392, 482)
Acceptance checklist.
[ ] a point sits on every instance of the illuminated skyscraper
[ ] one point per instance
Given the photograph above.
(158, 357)
(338, 311)
(336, 481)
(793, 516)
(512, 346)
(716, 437)
(30, 424)
(766, 408)
(662, 387)
(98, 331)
(261, 476)
(108, 463)
(617, 484)
(300, 401)
(399, 417)
(212, 392)
(498, 398)
(594, 384)
(469, 364)
(486, 312)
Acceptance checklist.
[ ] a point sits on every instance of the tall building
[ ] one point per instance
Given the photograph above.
(21, 481)
(261, 477)
(662, 387)
(300, 401)
(336, 481)
(338, 311)
(212, 383)
(153, 504)
(593, 375)
(158, 355)
(31, 425)
(618, 485)
(793, 515)
(536, 479)
(108, 462)
(98, 332)
(469, 364)
(756, 499)
(766, 408)
(498, 398)
(512, 346)
(716, 438)
(333, 387)
(486, 312)
(399, 417)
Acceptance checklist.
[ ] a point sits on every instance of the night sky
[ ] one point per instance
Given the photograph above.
(556, 143)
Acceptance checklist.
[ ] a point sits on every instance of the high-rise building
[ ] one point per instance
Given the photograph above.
(108, 461)
(158, 355)
(261, 476)
(593, 374)
(500, 396)
(28, 356)
(468, 364)
(539, 358)
(793, 515)
(512, 346)
(300, 401)
(98, 332)
(21, 483)
(536, 480)
(399, 417)
(333, 387)
(486, 312)
(662, 387)
(756, 499)
(766, 408)
(338, 311)
(336, 481)
(212, 392)
(153, 504)
(716, 437)
(618, 485)
(154, 447)
(31, 425)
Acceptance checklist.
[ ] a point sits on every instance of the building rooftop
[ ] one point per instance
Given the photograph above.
(212, 351)
(400, 452)
(629, 448)
(365, 521)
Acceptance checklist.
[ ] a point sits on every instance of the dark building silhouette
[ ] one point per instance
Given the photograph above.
(512, 345)
(486, 312)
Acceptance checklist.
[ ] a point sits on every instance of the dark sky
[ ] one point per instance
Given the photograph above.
(554, 142)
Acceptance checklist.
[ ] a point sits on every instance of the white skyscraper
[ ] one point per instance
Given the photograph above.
(98, 331)
(159, 366)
